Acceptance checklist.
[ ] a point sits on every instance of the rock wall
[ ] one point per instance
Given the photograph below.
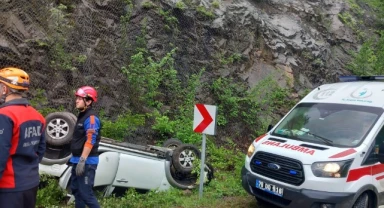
(302, 44)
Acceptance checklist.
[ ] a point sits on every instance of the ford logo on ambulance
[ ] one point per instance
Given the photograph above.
(273, 166)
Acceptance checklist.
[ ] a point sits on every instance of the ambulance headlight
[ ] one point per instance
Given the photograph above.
(334, 169)
(251, 150)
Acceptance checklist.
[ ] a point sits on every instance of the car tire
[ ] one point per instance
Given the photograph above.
(184, 180)
(59, 128)
(211, 172)
(74, 117)
(47, 161)
(183, 157)
(364, 201)
(172, 143)
(190, 179)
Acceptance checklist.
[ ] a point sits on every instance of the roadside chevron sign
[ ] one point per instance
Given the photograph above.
(204, 120)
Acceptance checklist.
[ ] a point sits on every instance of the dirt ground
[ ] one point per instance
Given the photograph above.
(227, 202)
(240, 202)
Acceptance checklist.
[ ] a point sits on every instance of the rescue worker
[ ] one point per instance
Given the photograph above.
(84, 148)
(22, 142)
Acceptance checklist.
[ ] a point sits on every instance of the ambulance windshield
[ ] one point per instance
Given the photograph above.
(330, 124)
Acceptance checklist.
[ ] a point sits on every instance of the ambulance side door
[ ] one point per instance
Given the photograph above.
(377, 167)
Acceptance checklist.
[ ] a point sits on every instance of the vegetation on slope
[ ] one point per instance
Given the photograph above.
(169, 103)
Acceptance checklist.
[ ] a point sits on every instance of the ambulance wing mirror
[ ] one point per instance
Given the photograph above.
(270, 126)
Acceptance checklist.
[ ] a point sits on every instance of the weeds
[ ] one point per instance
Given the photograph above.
(49, 192)
(122, 127)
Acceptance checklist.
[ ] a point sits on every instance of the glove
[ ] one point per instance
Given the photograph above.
(80, 167)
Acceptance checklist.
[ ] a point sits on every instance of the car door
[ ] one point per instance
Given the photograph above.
(140, 171)
(377, 170)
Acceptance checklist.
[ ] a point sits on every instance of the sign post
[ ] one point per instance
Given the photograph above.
(204, 122)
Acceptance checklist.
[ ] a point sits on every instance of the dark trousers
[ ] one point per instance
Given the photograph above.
(82, 187)
(19, 199)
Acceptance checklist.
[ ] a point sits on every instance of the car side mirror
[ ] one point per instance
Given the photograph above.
(270, 126)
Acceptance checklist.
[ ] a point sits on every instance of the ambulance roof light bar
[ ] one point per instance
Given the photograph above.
(353, 78)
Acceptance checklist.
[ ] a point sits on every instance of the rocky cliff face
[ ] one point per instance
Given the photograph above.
(300, 43)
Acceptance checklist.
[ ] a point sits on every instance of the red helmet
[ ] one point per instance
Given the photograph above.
(87, 92)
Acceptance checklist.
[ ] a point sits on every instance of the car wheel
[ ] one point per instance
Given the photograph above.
(172, 143)
(364, 201)
(183, 157)
(184, 180)
(209, 169)
(60, 161)
(74, 117)
(59, 128)
(188, 180)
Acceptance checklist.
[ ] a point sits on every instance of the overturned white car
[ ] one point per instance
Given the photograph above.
(121, 164)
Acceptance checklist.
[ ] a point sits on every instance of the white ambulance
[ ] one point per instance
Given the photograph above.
(326, 152)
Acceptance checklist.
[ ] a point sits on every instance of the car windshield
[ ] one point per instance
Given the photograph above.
(329, 124)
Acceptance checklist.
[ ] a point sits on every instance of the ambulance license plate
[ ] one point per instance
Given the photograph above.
(270, 188)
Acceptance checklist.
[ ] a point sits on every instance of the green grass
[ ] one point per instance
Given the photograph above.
(192, 201)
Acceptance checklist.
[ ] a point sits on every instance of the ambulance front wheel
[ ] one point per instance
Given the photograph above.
(364, 201)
